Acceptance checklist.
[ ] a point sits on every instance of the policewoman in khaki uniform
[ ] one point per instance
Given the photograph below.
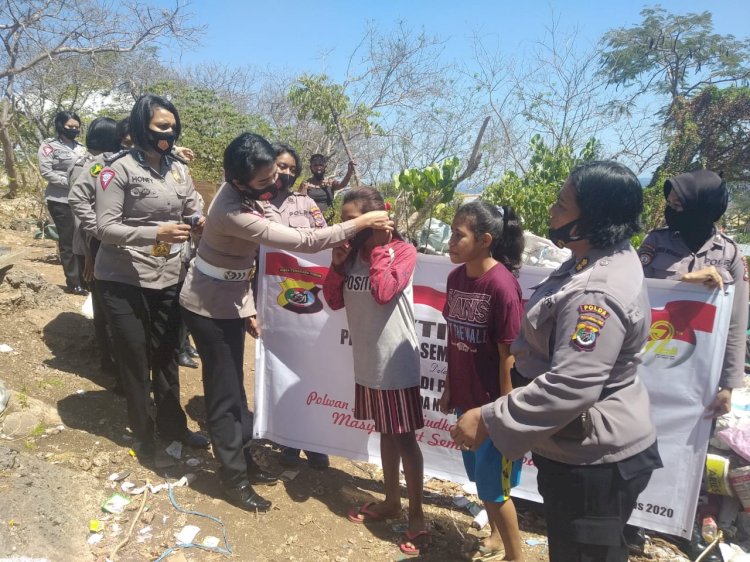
(142, 201)
(581, 408)
(295, 210)
(690, 248)
(56, 158)
(102, 142)
(217, 299)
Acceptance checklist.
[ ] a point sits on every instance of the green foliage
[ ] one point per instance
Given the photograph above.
(420, 191)
(666, 51)
(532, 193)
(710, 131)
(328, 104)
(209, 123)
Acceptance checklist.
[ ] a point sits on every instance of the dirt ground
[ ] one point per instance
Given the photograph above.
(64, 433)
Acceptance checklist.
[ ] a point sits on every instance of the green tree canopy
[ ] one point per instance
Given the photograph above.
(532, 193)
(209, 123)
(673, 54)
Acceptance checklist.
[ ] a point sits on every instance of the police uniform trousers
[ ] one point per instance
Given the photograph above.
(221, 346)
(62, 216)
(145, 324)
(587, 507)
(101, 328)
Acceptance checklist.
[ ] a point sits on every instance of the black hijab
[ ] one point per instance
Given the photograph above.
(704, 197)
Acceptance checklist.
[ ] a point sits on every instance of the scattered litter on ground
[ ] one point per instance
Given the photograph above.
(211, 542)
(289, 475)
(95, 538)
(5, 348)
(187, 534)
(118, 476)
(115, 503)
(193, 462)
(174, 450)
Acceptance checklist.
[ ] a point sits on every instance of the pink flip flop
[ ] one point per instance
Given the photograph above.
(414, 544)
(367, 514)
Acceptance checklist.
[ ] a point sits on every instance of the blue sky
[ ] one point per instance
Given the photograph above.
(318, 36)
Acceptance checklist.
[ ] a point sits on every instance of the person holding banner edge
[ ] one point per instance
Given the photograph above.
(217, 300)
(691, 249)
(578, 404)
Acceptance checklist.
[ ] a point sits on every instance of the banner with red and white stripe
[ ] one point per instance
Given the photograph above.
(304, 386)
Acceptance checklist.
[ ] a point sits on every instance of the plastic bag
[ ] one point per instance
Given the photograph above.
(88, 308)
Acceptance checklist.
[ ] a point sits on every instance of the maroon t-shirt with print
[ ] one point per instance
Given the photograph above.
(480, 313)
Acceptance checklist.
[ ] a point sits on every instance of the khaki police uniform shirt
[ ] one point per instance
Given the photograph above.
(132, 201)
(664, 255)
(296, 211)
(75, 174)
(582, 333)
(83, 181)
(55, 161)
(232, 234)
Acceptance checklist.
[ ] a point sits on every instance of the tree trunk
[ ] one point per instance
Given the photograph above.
(348, 151)
(8, 155)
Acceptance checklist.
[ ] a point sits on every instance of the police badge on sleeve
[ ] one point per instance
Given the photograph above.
(591, 320)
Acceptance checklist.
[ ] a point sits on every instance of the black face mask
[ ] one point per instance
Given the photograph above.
(694, 227)
(265, 194)
(286, 181)
(561, 236)
(70, 133)
(163, 143)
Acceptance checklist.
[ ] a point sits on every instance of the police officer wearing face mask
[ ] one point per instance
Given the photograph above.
(143, 199)
(690, 248)
(217, 299)
(56, 158)
(578, 404)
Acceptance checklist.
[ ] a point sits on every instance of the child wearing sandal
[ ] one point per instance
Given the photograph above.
(372, 278)
(483, 310)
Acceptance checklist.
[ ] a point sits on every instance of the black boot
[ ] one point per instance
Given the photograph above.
(195, 440)
(243, 496)
(191, 351)
(186, 361)
(256, 475)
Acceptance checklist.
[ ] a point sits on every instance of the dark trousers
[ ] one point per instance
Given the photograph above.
(101, 329)
(62, 216)
(586, 508)
(221, 346)
(145, 330)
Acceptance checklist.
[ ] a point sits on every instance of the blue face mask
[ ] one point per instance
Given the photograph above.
(561, 236)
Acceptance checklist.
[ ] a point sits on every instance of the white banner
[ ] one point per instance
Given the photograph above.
(304, 384)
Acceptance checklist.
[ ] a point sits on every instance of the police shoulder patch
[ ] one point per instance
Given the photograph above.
(585, 335)
(47, 150)
(105, 177)
(96, 169)
(646, 254)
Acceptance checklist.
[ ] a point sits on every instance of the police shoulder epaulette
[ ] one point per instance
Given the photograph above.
(112, 156)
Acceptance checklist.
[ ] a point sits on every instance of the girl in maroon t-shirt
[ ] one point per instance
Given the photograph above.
(483, 311)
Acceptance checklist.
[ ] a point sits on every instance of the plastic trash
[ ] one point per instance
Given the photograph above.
(289, 475)
(87, 309)
(709, 529)
(4, 397)
(211, 542)
(174, 450)
(115, 503)
(187, 534)
(118, 476)
(541, 252)
(5, 348)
